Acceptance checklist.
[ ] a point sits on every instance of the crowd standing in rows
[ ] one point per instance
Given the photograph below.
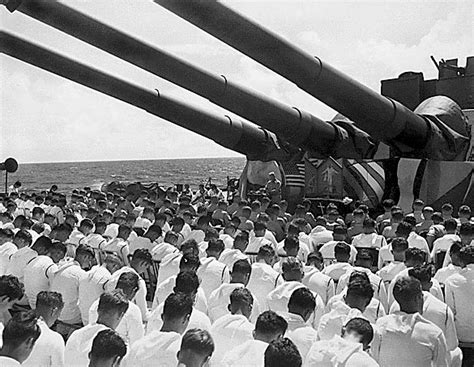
(188, 279)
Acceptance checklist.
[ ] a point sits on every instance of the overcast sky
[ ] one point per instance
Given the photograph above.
(45, 118)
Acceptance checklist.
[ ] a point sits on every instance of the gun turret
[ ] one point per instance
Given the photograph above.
(410, 134)
(235, 134)
(294, 125)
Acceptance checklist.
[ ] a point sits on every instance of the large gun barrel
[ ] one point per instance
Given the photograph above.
(383, 118)
(235, 134)
(297, 127)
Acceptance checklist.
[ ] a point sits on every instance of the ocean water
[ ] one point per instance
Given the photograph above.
(167, 172)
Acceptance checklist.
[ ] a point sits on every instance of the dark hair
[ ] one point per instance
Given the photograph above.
(466, 229)
(270, 323)
(189, 261)
(291, 243)
(114, 301)
(302, 298)
(11, 287)
(198, 341)
(359, 275)
(360, 288)
(24, 235)
(450, 224)
(362, 327)
(87, 223)
(314, 257)
(467, 254)
(369, 223)
(21, 327)
(190, 246)
(388, 203)
(42, 242)
(107, 344)
(399, 244)
(177, 305)
(282, 353)
(127, 282)
(415, 254)
(406, 288)
(342, 248)
(215, 245)
(241, 297)
(187, 282)
(259, 226)
(85, 251)
(455, 248)
(422, 273)
(265, 251)
(404, 229)
(49, 299)
(142, 254)
(411, 220)
(242, 267)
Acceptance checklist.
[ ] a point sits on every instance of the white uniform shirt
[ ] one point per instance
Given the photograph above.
(444, 273)
(300, 333)
(66, 281)
(169, 266)
(331, 324)
(6, 252)
(337, 270)
(408, 340)
(161, 250)
(39, 273)
(444, 243)
(459, 290)
(277, 300)
(212, 274)
(390, 271)
(130, 327)
(227, 239)
(9, 362)
(220, 298)
(372, 312)
(48, 350)
(157, 348)
(90, 289)
(377, 284)
(79, 345)
(229, 331)
(319, 283)
(320, 235)
(263, 279)
(338, 352)
(327, 250)
(439, 314)
(19, 260)
(140, 242)
(120, 247)
(370, 240)
(256, 242)
(197, 320)
(164, 289)
(230, 255)
(249, 354)
(94, 240)
(140, 297)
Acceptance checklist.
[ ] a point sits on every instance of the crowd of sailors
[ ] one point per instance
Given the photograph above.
(189, 279)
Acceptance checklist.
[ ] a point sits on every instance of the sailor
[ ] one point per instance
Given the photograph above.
(112, 306)
(263, 278)
(108, 349)
(93, 285)
(18, 260)
(350, 349)
(300, 308)
(119, 245)
(163, 345)
(212, 272)
(406, 338)
(130, 327)
(453, 268)
(397, 250)
(148, 241)
(358, 296)
(437, 312)
(19, 337)
(219, 298)
(315, 280)
(327, 249)
(49, 348)
(369, 238)
(459, 289)
(277, 300)
(273, 188)
(11, 291)
(282, 353)
(168, 246)
(186, 282)
(269, 326)
(237, 252)
(234, 329)
(197, 347)
(342, 254)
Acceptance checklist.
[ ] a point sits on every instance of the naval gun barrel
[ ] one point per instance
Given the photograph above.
(383, 118)
(235, 134)
(293, 125)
